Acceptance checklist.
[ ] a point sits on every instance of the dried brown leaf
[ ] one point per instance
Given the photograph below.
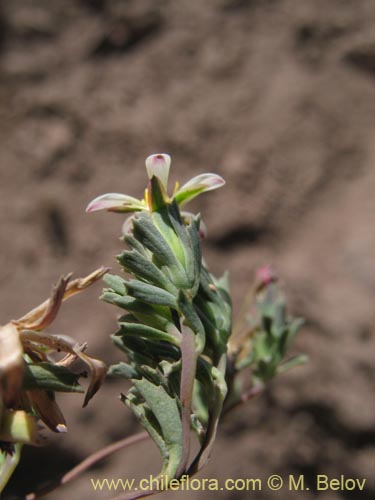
(11, 363)
(48, 410)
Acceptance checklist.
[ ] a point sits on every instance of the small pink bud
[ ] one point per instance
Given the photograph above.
(264, 276)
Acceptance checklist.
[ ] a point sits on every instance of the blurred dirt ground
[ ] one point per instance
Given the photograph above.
(277, 96)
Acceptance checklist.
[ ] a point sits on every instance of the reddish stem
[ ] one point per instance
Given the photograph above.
(88, 462)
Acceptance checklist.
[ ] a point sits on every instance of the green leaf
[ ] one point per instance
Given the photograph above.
(193, 232)
(200, 399)
(163, 223)
(301, 359)
(294, 325)
(223, 284)
(116, 283)
(166, 412)
(262, 346)
(151, 315)
(136, 245)
(138, 307)
(150, 294)
(210, 322)
(137, 329)
(50, 377)
(192, 319)
(142, 351)
(154, 375)
(157, 194)
(279, 319)
(149, 235)
(219, 391)
(144, 269)
(189, 237)
(147, 419)
(123, 370)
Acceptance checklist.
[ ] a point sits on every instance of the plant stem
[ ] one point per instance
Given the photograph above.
(88, 462)
(125, 443)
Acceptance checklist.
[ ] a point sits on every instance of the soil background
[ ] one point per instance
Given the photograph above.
(277, 96)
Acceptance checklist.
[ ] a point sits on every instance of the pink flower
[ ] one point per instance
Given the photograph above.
(157, 165)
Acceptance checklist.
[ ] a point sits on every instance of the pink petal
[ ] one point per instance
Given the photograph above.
(197, 185)
(115, 202)
(265, 275)
(159, 165)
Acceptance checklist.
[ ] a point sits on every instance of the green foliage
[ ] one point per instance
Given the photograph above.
(183, 358)
(179, 317)
(272, 337)
(50, 377)
(177, 328)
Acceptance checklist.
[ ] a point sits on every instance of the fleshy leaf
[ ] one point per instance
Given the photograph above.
(137, 264)
(116, 283)
(157, 195)
(115, 202)
(197, 185)
(123, 370)
(139, 330)
(166, 412)
(150, 294)
(151, 238)
(50, 377)
(220, 391)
